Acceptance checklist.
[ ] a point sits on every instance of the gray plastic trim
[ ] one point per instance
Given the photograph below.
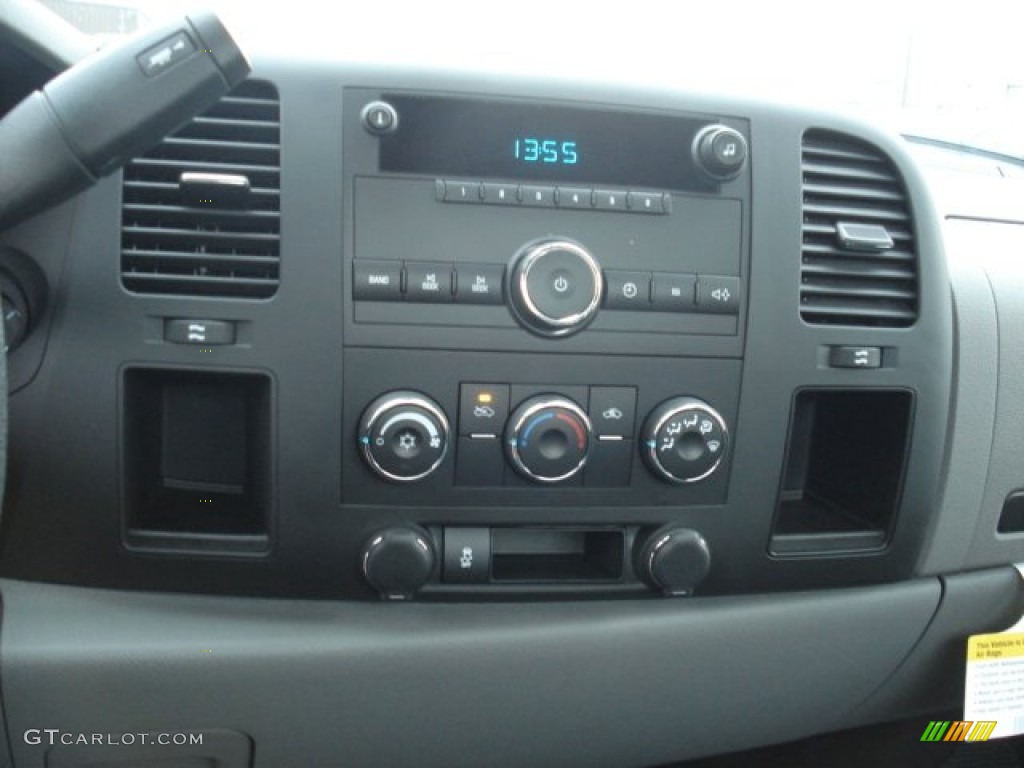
(972, 415)
(998, 247)
(374, 684)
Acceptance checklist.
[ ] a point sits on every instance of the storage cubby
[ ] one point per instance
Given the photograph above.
(843, 473)
(196, 460)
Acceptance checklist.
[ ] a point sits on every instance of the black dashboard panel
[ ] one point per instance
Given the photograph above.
(603, 437)
(696, 301)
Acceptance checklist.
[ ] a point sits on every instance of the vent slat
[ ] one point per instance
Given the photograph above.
(149, 164)
(848, 180)
(864, 313)
(172, 245)
(842, 150)
(177, 212)
(143, 257)
(853, 173)
(198, 235)
(851, 192)
(841, 212)
(860, 289)
(833, 251)
(827, 229)
(837, 268)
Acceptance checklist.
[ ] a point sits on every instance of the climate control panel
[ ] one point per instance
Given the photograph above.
(545, 438)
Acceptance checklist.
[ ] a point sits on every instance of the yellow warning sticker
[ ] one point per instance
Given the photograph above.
(994, 684)
(995, 646)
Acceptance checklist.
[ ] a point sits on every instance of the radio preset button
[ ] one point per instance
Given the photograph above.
(627, 289)
(672, 292)
(646, 202)
(610, 199)
(479, 283)
(575, 197)
(461, 191)
(537, 197)
(501, 194)
(377, 280)
(428, 281)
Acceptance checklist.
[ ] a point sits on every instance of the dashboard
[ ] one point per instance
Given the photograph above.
(375, 403)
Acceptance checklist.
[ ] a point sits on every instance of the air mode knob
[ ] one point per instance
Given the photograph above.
(555, 287)
(683, 440)
(720, 151)
(547, 439)
(403, 436)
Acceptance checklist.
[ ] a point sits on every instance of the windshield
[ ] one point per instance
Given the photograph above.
(948, 71)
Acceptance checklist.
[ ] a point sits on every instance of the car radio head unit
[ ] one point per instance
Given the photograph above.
(445, 136)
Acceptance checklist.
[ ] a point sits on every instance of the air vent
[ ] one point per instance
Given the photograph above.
(859, 261)
(201, 214)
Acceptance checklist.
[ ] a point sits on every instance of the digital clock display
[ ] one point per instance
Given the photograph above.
(532, 149)
(459, 137)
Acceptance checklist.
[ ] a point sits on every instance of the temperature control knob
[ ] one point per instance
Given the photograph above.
(720, 151)
(684, 440)
(403, 436)
(547, 438)
(555, 287)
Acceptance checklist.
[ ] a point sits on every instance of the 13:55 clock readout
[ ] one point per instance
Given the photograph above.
(529, 149)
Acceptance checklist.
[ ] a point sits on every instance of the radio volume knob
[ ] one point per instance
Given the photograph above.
(403, 436)
(720, 151)
(555, 287)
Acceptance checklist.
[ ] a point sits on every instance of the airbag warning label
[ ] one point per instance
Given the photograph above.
(994, 689)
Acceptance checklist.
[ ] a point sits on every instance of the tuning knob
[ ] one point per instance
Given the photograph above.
(398, 561)
(683, 440)
(720, 151)
(404, 436)
(555, 287)
(547, 439)
(674, 560)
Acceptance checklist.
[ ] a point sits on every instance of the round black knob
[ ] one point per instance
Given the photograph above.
(555, 287)
(720, 151)
(398, 561)
(683, 440)
(404, 436)
(674, 560)
(547, 438)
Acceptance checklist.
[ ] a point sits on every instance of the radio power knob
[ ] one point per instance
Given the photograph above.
(720, 151)
(555, 287)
